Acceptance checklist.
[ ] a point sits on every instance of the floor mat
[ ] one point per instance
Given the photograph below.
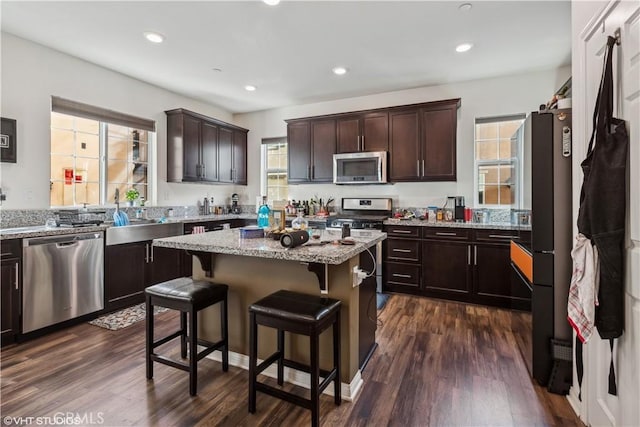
(123, 318)
(381, 300)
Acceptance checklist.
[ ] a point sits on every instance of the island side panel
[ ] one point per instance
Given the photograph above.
(251, 278)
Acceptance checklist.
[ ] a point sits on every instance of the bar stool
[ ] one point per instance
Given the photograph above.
(300, 314)
(187, 296)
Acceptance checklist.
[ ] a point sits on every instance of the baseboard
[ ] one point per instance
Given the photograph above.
(349, 391)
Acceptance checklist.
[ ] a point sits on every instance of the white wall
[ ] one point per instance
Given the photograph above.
(480, 98)
(32, 73)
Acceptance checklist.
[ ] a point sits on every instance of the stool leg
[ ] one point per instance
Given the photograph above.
(315, 378)
(336, 360)
(149, 338)
(225, 334)
(253, 360)
(183, 337)
(193, 351)
(281, 358)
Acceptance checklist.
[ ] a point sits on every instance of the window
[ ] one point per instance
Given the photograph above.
(95, 151)
(497, 160)
(274, 153)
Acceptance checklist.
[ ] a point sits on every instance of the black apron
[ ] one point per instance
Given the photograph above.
(601, 217)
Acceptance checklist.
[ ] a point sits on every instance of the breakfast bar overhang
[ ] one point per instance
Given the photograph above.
(255, 268)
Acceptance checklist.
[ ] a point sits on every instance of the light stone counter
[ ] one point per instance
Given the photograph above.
(229, 242)
(42, 231)
(474, 225)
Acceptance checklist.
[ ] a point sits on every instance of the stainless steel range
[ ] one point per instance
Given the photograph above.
(364, 217)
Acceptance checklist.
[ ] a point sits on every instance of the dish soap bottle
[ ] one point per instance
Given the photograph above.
(263, 214)
(300, 222)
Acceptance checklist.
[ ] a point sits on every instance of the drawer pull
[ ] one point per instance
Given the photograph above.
(440, 233)
(404, 276)
(401, 231)
(402, 250)
(498, 236)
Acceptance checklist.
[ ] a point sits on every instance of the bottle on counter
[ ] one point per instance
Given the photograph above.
(263, 214)
(205, 206)
(300, 222)
(211, 206)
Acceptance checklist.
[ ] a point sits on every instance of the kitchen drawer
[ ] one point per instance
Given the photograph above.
(402, 231)
(402, 274)
(403, 250)
(497, 236)
(442, 233)
(11, 249)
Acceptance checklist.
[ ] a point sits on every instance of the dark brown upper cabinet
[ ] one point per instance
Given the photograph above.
(363, 132)
(422, 142)
(420, 139)
(312, 144)
(204, 149)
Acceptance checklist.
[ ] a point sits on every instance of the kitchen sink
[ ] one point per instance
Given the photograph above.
(141, 230)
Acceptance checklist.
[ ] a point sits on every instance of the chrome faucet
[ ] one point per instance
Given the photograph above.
(116, 199)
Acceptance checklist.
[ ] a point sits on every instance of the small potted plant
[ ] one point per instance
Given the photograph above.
(131, 195)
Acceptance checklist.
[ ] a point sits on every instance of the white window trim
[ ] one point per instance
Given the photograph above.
(476, 163)
(263, 163)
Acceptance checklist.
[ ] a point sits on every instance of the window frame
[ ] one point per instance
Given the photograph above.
(103, 161)
(263, 164)
(517, 162)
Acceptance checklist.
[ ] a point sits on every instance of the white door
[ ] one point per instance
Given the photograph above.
(598, 407)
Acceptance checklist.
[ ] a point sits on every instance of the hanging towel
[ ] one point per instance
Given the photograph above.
(583, 291)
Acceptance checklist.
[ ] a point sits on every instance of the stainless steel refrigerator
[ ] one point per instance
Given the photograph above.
(551, 234)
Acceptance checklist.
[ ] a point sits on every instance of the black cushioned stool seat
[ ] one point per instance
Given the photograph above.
(187, 296)
(300, 314)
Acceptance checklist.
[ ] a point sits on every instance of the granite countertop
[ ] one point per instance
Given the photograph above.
(42, 231)
(475, 225)
(229, 242)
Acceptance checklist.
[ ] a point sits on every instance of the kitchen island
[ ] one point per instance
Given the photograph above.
(254, 268)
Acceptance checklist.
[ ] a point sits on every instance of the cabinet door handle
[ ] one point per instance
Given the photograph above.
(418, 167)
(151, 250)
(146, 253)
(498, 236)
(203, 171)
(468, 254)
(313, 171)
(401, 231)
(441, 233)
(422, 167)
(404, 276)
(362, 142)
(358, 142)
(401, 250)
(17, 274)
(198, 171)
(475, 255)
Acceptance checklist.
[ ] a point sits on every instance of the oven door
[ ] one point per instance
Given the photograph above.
(360, 168)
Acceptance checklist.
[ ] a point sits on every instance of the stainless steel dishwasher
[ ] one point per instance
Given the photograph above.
(63, 278)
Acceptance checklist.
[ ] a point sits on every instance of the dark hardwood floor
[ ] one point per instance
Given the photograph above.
(437, 364)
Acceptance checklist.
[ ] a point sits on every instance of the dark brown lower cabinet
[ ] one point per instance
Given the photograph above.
(131, 267)
(446, 269)
(10, 286)
(453, 263)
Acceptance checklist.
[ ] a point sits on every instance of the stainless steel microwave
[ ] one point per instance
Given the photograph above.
(360, 168)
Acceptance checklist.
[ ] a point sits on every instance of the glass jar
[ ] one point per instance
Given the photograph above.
(300, 222)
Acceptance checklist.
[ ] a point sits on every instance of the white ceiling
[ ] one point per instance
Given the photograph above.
(288, 51)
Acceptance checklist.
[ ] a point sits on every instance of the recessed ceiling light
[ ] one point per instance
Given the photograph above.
(154, 37)
(465, 7)
(271, 2)
(339, 71)
(250, 88)
(464, 47)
